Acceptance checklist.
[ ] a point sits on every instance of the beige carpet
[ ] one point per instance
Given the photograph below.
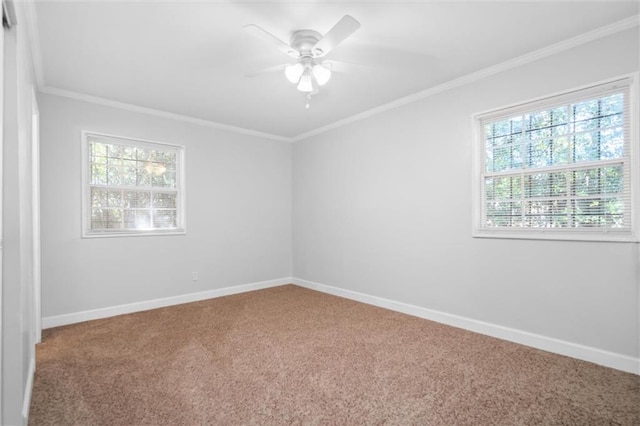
(289, 355)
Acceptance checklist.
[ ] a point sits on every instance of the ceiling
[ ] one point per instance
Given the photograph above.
(190, 57)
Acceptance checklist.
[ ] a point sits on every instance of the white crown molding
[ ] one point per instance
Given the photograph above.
(562, 347)
(553, 49)
(587, 37)
(158, 113)
(31, 19)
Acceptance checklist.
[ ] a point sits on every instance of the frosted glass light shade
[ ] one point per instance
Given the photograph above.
(306, 83)
(321, 74)
(294, 72)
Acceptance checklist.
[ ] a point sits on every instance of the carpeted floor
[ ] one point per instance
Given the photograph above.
(289, 355)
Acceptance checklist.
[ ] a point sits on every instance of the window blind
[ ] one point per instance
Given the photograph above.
(559, 165)
(132, 187)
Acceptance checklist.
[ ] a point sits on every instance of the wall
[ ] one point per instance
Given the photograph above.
(238, 196)
(382, 207)
(18, 318)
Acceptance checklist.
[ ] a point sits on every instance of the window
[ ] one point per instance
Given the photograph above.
(558, 168)
(131, 187)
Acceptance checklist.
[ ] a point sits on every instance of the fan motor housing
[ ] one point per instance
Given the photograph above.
(304, 40)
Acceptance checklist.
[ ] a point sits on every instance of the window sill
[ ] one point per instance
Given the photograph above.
(534, 234)
(153, 233)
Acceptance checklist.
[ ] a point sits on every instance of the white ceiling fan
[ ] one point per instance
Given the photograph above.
(308, 48)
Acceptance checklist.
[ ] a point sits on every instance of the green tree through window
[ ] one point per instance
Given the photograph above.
(561, 164)
(132, 186)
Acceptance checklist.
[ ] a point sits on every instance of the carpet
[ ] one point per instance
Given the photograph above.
(289, 355)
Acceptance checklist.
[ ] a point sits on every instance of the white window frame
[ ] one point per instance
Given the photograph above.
(480, 230)
(86, 187)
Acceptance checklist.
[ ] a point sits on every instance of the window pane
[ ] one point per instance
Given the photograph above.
(99, 174)
(98, 197)
(170, 179)
(538, 153)
(612, 143)
(114, 151)
(613, 104)
(165, 180)
(584, 111)
(163, 199)
(504, 188)
(503, 158)
(545, 185)
(114, 175)
(143, 177)
(98, 218)
(137, 219)
(106, 218)
(534, 173)
(589, 212)
(164, 219)
(143, 219)
(587, 147)
(137, 199)
(546, 214)
(560, 151)
(504, 213)
(129, 172)
(116, 169)
(142, 154)
(114, 198)
(129, 152)
(98, 149)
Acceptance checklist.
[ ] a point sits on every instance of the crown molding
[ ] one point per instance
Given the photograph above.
(544, 52)
(607, 30)
(158, 113)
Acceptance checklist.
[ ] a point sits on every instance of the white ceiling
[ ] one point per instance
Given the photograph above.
(190, 58)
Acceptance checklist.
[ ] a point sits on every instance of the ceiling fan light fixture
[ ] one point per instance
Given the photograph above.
(321, 74)
(294, 72)
(306, 82)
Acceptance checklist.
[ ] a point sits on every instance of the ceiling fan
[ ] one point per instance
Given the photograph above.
(308, 48)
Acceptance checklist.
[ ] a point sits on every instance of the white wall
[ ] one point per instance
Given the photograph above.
(238, 193)
(383, 207)
(367, 215)
(18, 320)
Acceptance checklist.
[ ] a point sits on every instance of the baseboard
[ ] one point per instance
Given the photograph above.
(28, 388)
(585, 353)
(76, 317)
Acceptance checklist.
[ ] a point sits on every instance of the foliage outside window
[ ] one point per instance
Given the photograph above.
(131, 187)
(558, 168)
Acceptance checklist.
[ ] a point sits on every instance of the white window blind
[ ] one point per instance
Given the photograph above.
(131, 187)
(559, 167)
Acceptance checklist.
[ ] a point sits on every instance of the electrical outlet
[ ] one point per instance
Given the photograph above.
(194, 276)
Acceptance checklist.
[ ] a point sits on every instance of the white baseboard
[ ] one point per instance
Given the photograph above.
(76, 317)
(28, 388)
(585, 353)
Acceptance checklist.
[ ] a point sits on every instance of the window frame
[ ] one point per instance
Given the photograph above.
(547, 102)
(135, 142)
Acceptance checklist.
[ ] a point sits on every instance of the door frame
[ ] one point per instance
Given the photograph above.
(1, 194)
(35, 206)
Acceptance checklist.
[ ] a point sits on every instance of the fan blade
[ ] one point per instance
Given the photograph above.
(258, 32)
(343, 29)
(274, 68)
